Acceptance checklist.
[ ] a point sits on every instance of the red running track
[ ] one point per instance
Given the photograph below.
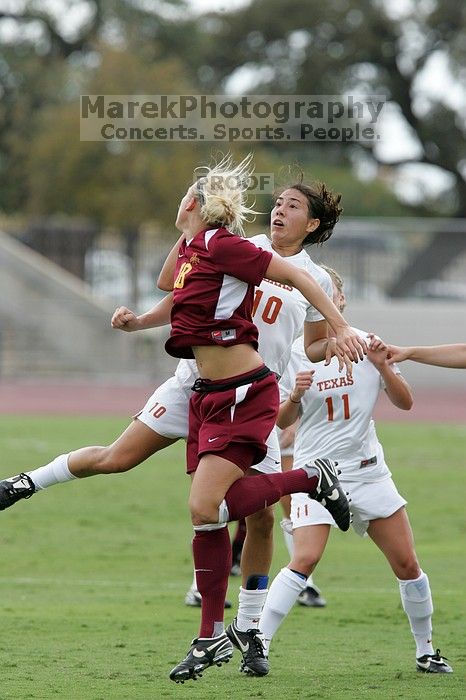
(22, 398)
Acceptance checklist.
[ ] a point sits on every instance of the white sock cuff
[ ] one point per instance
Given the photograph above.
(297, 582)
(209, 527)
(251, 604)
(283, 593)
(416, 589)
(56, 472)
(416, 597)
(246, 593)
(61, 469)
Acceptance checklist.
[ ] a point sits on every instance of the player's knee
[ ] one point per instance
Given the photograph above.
(306, 560)
(203, 511)
(408, 569)
(261, 523)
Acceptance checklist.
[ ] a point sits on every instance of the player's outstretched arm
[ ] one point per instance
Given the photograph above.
(396, 388)
(347, 341)
(126, 320)
(453, 356)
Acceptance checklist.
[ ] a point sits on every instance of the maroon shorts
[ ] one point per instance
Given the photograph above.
(234, 423)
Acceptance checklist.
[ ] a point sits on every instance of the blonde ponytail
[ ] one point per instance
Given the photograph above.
(222, 193)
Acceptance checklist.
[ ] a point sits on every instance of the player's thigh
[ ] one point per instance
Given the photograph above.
(309, 544)
(137, 443)
(394, 537)
(212, 479)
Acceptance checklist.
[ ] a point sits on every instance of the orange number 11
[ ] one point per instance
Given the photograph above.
(346, 411)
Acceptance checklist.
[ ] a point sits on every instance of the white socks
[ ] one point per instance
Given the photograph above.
(250, 608)
(283, 593)
(56, 472)
(416, 599)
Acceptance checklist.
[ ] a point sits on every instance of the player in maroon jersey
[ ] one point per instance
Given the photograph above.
(235, 401)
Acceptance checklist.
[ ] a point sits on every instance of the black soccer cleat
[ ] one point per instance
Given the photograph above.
(251, 644)
(328, 491)
(14, 489)
(311, 598)
(433, 663)
(204, 652)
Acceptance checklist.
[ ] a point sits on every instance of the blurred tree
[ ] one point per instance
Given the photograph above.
(48, 52)
(116, 47)
(335, 47)
(117, 183)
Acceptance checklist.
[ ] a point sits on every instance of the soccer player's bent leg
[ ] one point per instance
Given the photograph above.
(394, 537)
(319, 479)
(136, 444)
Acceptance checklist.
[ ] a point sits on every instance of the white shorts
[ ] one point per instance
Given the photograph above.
(166, 413)
(369, 500)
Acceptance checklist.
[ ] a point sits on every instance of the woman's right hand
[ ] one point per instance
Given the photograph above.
(397, 354)
(125, 320)
(303, 382)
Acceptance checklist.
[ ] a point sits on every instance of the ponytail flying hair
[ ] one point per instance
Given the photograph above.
(222, 193)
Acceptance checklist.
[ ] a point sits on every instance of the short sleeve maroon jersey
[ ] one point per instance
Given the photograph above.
(215, 276)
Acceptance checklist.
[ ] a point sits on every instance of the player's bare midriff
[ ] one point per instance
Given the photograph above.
(216, 362)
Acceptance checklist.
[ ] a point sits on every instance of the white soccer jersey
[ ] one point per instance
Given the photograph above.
(336, 419)
(279, 313)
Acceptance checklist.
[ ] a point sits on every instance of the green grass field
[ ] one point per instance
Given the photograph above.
(93, 576)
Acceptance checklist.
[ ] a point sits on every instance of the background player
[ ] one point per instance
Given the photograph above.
(336, 418)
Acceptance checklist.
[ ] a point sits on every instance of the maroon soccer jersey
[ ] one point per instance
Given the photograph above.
(215, 276)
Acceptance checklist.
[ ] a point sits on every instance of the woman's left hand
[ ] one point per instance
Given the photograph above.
(333, 350)
(349, 345)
